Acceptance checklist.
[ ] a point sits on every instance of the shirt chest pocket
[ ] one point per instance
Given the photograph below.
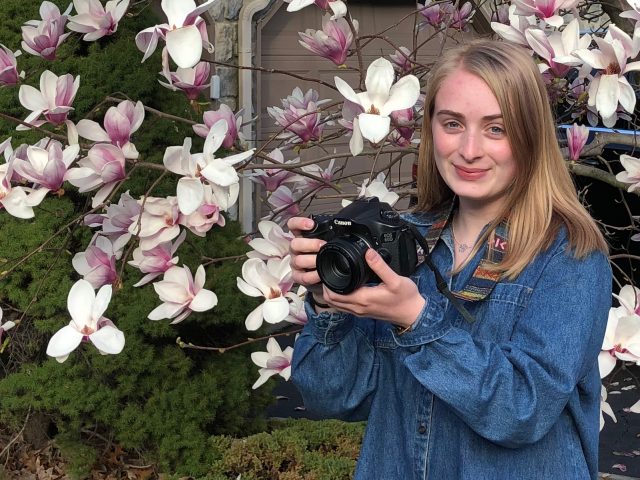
(496, 315)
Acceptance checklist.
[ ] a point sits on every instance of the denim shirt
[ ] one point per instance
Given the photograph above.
(514, 395)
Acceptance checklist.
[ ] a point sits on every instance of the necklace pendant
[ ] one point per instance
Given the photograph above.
(463, 247)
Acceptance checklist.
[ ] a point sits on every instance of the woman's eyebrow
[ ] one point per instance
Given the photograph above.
(451, 113)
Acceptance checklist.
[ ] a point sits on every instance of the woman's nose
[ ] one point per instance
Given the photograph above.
(470, 146)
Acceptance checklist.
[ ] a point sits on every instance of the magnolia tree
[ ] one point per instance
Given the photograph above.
(586, 60)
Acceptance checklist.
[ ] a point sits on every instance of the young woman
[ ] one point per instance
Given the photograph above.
(515, 394)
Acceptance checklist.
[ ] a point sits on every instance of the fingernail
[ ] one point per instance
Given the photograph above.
(309, 223)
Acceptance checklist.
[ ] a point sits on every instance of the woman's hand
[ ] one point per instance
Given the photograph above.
(303, 253)
(396, 299)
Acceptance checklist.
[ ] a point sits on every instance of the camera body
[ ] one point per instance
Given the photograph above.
(359, 226)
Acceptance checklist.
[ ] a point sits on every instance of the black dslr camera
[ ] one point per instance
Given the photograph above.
(349, 233)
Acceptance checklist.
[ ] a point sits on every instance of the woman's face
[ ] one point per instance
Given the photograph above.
(470, 143)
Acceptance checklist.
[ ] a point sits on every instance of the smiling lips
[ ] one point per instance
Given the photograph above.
(470, 173)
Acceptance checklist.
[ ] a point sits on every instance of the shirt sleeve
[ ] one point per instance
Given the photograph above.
(513, 392)
(334, 366)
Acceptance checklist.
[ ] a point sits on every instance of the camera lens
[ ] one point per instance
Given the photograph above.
(341, 264)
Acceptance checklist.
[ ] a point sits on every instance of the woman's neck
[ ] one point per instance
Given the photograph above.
(471, 218)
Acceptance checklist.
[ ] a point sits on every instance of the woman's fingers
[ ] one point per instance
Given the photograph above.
(305, 245)
(299, 224)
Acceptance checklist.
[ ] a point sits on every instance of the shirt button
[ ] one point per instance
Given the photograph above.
(422, 429)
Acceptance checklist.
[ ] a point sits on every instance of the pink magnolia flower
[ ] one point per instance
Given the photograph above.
(435, 15)
(103, 167)
(87, 323)
(332, 42)
(273, 361)
(43, 37)
(156, 261)
(200, 167)
(272, 178)
(216, 200)
(285, 203)
(308, 184)
(297, 314)
(622, 336)
(459, 18)
(97, 264)
(184, 33)
(610, 86)
(18, 201)
(577, 136)
(9, 67)
(513, 30)
(120, 122)
(631, 172)
(271, 280)
(47, 167)
(546, 10)
(401, 60)
(182, 294)
(54, 99)
(273, 244)
(115, 222)
(556, 48)
(299, 116)
(403, 134)
(234, 122)
(191, 81)
(95, 20)
(158, 222)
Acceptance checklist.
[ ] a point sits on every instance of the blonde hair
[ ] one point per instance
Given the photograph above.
(542, 196)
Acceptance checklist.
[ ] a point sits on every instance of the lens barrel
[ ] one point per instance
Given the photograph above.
(341, 264)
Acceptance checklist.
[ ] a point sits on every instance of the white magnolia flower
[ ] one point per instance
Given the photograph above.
(18, 201)
(4, 327)
(631, 172)
(273, 361)
(184, 32)
(87, 323)
(297, 313)
(517, 27)
(378, 189)
(182, 294)
(381, 98)
(605, 407)
(271, 280)
(273, 244)
(610, 87)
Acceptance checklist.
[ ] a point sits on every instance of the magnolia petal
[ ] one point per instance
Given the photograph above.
(247, 289)
(373, 127)
(265, 374)
(380, 76)
(254, 319)
(356, 144)
(275, 310)
(32, 99)
(347, 92)
(64, 341)
(103, 297)
(108, 340)
(204, 300)
(220, 173)
(80, 303)
(607, 95)
(606, 363)
(165, 310)
(190, 193)
(185, 45)
(214, 138)
(635, 408)
(15, 204)
(404, 94)
(102, 194)
(92, 130)
(627, 95)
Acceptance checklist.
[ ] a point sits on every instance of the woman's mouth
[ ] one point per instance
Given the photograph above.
(466, 173)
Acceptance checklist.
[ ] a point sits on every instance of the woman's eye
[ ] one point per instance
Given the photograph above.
(496, 130)
(451, 124)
